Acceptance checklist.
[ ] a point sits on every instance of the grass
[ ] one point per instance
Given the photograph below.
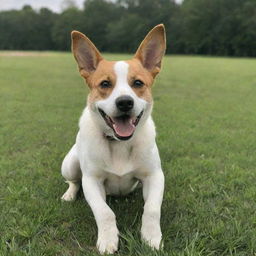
(205, 117)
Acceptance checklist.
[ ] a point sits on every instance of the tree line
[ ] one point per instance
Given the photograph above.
(210, 27)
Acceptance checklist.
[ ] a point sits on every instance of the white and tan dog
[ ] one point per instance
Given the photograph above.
(115, 146)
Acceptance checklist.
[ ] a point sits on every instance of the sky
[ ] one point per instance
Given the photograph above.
(55, 5)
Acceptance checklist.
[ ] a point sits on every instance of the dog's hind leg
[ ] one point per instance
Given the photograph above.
(70, 170)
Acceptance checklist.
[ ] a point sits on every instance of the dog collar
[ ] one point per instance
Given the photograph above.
(110, 138)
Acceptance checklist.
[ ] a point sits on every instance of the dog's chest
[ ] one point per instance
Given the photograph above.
(116, 185)
(120, 159)
(120, 166)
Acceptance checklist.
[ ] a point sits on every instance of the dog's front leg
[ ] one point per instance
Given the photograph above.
(95, 195)
(153, 188)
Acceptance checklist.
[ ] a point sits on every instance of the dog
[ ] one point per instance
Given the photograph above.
(115, 147)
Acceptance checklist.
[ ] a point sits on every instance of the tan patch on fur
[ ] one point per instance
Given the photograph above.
(138, 72)
(85, 52)
(104, 71)
(152, 49)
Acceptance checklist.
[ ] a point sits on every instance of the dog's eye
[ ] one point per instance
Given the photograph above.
(105, 84)
(138, 83)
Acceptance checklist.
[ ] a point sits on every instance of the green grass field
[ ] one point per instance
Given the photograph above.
(205, 117)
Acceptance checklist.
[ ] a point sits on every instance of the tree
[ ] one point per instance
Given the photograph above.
(68, 20)
(97, 15)
(214, 27)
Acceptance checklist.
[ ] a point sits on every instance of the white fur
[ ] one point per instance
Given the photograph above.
(114, 167)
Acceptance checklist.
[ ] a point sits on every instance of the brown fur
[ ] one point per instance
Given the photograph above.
(152, 49)
(104, 71)
(138, 72)
(85, 53)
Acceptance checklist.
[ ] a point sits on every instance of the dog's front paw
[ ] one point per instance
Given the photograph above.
(71, 193)
(68, 196)
(151, 234)
(108, 241)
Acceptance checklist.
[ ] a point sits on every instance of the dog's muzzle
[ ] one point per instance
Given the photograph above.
(123, 125)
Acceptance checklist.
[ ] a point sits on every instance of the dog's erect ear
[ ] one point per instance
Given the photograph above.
(152, 49)
(86, 53)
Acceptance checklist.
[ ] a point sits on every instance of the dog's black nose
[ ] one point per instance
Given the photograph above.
(124, 103)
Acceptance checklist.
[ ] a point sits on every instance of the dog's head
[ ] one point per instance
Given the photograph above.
(120, 91)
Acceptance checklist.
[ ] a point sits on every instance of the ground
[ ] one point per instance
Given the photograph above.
(205, 117)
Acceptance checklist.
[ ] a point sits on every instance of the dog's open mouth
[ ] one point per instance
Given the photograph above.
(123, 126)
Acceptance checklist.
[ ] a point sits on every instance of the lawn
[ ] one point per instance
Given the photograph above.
(205, 113)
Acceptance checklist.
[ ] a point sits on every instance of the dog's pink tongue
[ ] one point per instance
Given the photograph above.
(123, 128)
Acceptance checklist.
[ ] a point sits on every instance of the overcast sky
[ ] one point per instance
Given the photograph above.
(55, 5)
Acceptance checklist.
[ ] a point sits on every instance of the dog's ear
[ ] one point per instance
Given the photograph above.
(152, 49)
(86, 53)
